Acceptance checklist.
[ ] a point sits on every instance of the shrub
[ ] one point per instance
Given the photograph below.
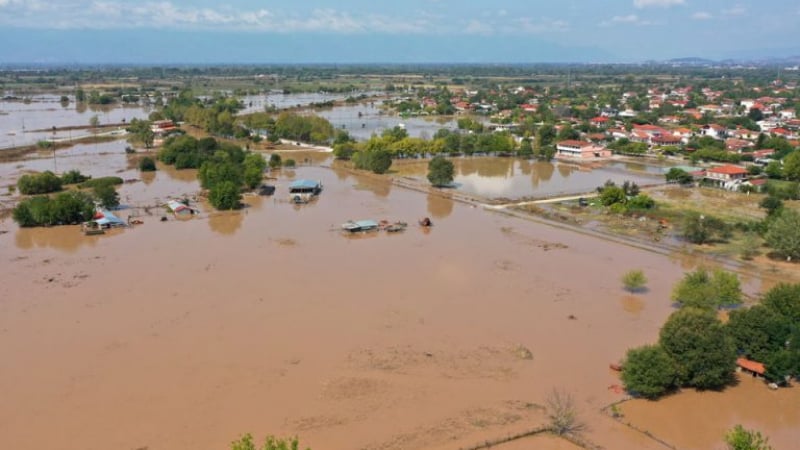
(702, 289)
(94, 182)
(274, 161)
(634, 280)
(73, 177)
(289, 163)
(39, 183)
(106, 195)
(147, 164)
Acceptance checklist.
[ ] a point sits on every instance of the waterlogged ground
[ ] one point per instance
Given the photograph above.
(186, 334)
(513, 178)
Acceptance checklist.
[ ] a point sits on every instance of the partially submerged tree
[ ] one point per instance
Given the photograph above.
(740, 438)
(440, 171)
(708, 290)
(783, 233)
(649, 371)
(634, 280)
(246, 442)
(563, 413)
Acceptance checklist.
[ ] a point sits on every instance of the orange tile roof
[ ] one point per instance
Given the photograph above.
(752, 366)
(728, 170)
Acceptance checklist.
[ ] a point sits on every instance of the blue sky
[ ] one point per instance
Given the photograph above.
(320, 31)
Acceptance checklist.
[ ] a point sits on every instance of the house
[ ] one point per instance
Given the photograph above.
(666, 140)
(580, 149)
(714, 130)
(179, 208)
(737, 145)
(599, 121)
(753, 367)
(726, 176)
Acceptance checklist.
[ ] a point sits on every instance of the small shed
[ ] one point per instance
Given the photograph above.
(106, 219)
(753, 367)
(179, 209)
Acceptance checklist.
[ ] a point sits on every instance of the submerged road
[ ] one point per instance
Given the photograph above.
(545, 200)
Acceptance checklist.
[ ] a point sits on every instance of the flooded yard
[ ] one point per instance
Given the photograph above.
(187, 334)
(513, 178)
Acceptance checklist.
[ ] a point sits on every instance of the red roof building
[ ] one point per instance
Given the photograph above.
(751, 366)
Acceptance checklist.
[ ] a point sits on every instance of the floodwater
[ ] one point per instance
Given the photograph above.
(363, 120)
(186, 334)
(257, 103)
(19, 121)
(514, 178)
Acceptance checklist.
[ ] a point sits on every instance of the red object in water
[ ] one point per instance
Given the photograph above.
(615, 366)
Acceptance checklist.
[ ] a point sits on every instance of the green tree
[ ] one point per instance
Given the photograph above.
(611, 195)
(94, 121)
(649, 371)
(225, 195)
(703, 352)
(254, 167)
(783, 234)
(440, 171)
(701, 229)
(73, 177)
(784, 299)
(701, 289)
(680, 176)
(774, 169)
(791, 166)
(106, 195)
(758, 331)
(147, 164)
(634, 280)
(740, 438)
(782, 365)
(65, 208)
(771, 204)
(39, 183)
(274, 161)
(80, 95)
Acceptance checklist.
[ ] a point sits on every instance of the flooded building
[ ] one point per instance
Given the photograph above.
(302, 191)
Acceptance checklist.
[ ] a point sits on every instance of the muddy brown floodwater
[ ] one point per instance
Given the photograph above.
(186, 334)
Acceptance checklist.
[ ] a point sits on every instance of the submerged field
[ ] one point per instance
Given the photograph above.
(186, 334)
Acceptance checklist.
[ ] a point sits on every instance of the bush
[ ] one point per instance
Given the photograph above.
(271, 443)
(702, 289)
(39, 183)
(783, 233)
(225, 195)
(73, 177)
(94, 182)
(701, 229)
(377, 160)
(289, 163)
(65, 208)
(649, 371)
(147, 164)
(641, 202)
(634, 280)
(253, 167)
(274, 161)
(740, 438)
(106, 195)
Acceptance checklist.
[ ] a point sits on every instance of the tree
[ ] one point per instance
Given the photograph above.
(440, 171)
(791, 166)
(39, 183)
(611, 195)
(701, 229)
(782, 365)
(94, 121)
(740, 438)
(783, 234)
(771, 204)
(73, 177)
(254, 167)
(703, 352)
(378, 160)
(80, 95)
(758, 331)
(274, 161)
(784, 299)
(106, 195)
(680, 176)
(147, 164)
(701, 289)
(634, 280)
(225, 195)
(649, 371)
(65, 208)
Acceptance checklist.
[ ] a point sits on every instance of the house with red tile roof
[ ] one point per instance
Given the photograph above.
(756, 368)
(599, 121)
(727, 174)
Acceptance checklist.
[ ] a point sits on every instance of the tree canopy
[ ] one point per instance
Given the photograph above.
(440, 171)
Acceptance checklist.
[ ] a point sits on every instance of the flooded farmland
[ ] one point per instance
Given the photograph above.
(186, 334)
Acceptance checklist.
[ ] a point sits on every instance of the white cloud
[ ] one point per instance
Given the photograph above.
(478, 27)
(536, 26)
(631, 19)
(737, 10)
(659, 3)
(701, 15)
